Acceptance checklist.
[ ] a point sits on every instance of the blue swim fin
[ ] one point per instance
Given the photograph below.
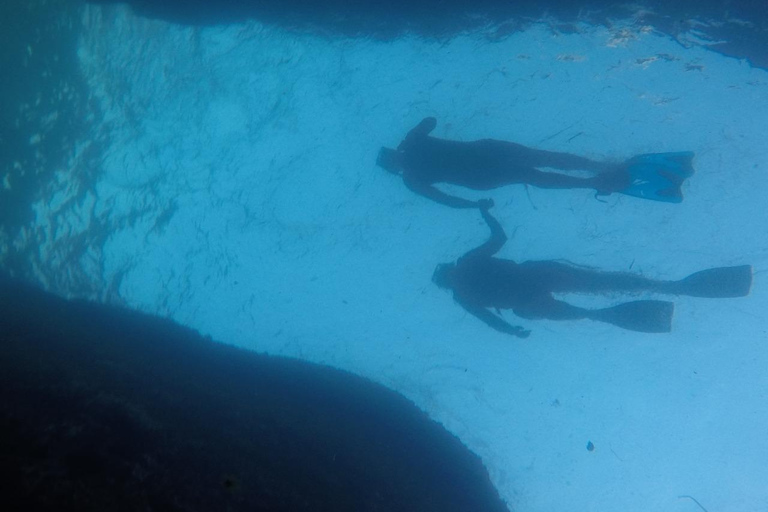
(658, 176)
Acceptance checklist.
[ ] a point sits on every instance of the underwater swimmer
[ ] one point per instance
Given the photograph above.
(481, 283)
(424, 161)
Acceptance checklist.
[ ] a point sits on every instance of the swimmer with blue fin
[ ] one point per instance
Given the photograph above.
(424, 161)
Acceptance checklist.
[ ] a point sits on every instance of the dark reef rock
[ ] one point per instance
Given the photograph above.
(108, 409)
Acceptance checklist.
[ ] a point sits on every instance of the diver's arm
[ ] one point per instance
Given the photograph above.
(498, 237)
(493, 321)
(434, 194)
(422, 129)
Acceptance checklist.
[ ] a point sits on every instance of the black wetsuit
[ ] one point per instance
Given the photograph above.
(480, 282)
(487, 164)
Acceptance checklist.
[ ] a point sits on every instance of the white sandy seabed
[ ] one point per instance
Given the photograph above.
(245, 158)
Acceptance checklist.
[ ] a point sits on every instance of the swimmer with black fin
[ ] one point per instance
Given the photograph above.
(482, 283)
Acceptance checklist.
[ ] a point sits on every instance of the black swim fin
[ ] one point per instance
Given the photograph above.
(723, 282)
(642, 315)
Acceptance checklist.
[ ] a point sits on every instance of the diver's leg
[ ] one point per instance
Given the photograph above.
(722, 282)
(543, 305)
(605, 183)
(652, 316)
(607, 177)
(505, 163)
(554, 276)
(530, 157)
(523, 156)
(569, 162)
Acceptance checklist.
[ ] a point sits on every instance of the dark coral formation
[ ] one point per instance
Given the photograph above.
(107, 409)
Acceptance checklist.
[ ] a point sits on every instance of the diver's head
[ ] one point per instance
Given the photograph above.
(390, 160)
(442, 275)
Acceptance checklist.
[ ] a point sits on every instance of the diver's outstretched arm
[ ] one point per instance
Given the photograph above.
(434, 194)
(424, 127)
(421, 130)
(493, 321)
(498, 237)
